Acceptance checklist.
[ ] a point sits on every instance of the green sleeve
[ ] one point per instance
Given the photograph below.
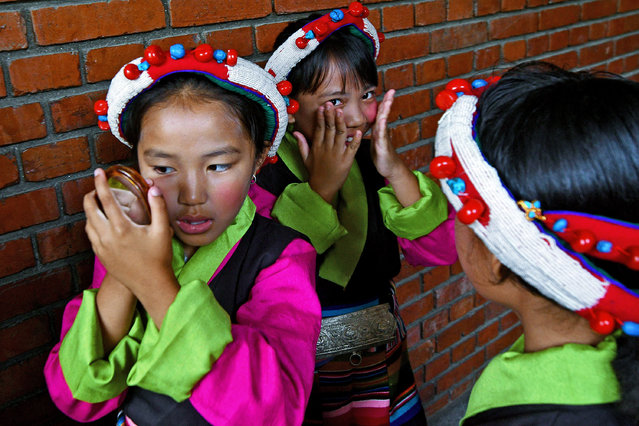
(90, 375)
(419, 218)
(302, 209)
(194, 332)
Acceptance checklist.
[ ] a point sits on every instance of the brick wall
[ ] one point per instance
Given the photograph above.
(56, 59)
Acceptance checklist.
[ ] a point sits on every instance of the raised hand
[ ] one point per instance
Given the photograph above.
(329, 157)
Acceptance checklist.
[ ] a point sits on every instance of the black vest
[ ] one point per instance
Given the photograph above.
(259, 248)
(379, 261)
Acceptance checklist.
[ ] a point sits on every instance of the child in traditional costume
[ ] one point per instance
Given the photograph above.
(217, 325)
(331, 185)
(543, 171)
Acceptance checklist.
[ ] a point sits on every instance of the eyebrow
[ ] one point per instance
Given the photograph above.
(218, 152)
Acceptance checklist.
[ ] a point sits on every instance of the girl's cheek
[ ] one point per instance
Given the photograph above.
(370, 112)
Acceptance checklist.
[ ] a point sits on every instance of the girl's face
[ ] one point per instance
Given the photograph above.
(356, 99)
(202, 159)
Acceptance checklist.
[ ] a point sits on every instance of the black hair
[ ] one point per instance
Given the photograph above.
(352, 55)
(193, 87)
(571, 141)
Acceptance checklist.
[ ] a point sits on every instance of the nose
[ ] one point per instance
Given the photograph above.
(354, 116)
(192, 189)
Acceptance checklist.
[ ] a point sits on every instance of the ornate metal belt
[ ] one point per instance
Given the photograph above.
(354, 331)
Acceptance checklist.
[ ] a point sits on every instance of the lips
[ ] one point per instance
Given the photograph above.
(194, 224)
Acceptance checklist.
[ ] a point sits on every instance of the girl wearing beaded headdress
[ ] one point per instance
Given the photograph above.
(218, 324)
(353, 197)
(543, 171)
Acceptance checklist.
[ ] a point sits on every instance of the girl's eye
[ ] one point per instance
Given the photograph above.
(369, 95)
(336, 102)
(219, 167)
(163, 170)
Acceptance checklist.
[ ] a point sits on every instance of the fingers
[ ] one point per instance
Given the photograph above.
(110, 206)
(320, 127)
(159, 214)
(302, 145)
(380, 128)
(355, 143)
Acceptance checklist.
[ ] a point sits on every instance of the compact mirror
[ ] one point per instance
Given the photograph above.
(130, 190)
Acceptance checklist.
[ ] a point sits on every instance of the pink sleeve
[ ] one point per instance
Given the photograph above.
(435, 248)
(58, 388)
(262, 199)
(265, 375)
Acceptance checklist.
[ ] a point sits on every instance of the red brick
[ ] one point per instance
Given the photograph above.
(418, 309)
(35, 292)
(108, 149)
(457, 331)
(597, 53)
(631, 63)
(240, 39)
(487, 7)
(509, 5)
(427, 392)
(73, 193)
(420, 354)
(436, 403)
(437, 366)
(22, 378)
(598, 9)
(480, 300)
(616, 66)
(65, 241)
(3, 87)
(399, 77)
(20, 211)
(459, 9)
(624, 25)
(398, 17)
(13, 32)
(456, 268)
(403, 47)
(291, 6)
(435, 276)
(75, 112)
(537, 45)
(409, 105)
(452, 291)
(429, 71)
(405, 134)
(103, 63)
(487, 58)
(84, 271)
(9, 174)
(435, 323)
(514, 50)
(535, 3)
(578, 35)
(38, 73)
(508, 321)
(266, 34)
(429, 126)
(408, 270)
(627, 44)
(56, 159)
(408, 290)
(413, 335)
(461, 308)
(430, 12)
(626, 5)
(21, 123)
(559, 40)
(458, 37)
(502, 343)
(558, 17)
(15, 256)
(463, 349)
(461, 388)
(24, 336)
(511, 26)
(488, 333)
(417, 157)
(597, 31)
(189, 41)
(461, 63)
(212, 12)
(460, 372)
(64, 24)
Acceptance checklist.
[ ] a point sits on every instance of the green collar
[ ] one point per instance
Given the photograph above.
(572, 374)
(207, 259)
(340, 260)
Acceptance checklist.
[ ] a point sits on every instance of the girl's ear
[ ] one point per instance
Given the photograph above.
(260, 157)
